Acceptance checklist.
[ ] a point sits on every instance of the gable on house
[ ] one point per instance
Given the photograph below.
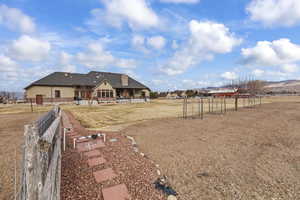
(62, 86)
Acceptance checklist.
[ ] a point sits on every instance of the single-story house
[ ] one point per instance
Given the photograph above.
(100, 86)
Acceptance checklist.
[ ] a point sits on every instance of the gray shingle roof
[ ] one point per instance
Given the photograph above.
(92, 79)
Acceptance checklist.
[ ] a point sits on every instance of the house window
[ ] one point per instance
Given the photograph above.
(57, 93)
(105, 93)
(82, 94)
(76, 94)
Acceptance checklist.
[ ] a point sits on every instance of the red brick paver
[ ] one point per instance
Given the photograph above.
(96, 161)
(103, 175)
(118, 192)
(74, 136)
(93, 153)
(97, 144)
(81, 147)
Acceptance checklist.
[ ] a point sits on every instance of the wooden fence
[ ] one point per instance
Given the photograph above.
(41, 165)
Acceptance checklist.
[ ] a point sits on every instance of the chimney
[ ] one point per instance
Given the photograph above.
(124, 80)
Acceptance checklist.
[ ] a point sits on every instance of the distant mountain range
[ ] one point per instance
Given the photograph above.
(288, 86)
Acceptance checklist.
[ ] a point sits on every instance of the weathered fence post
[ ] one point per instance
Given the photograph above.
(225, 105)
(208, 99)
(212, 104)
(201, 108)
(192, 102)
(31, 105)
(260, 100)
(30, 164)
(183, 108)
(221, 102)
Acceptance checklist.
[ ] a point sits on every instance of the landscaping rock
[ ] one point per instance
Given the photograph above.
(172, 197)
(135, 149)
(113, 140)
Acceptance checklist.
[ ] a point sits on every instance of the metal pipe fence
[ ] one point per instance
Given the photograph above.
(216, 105)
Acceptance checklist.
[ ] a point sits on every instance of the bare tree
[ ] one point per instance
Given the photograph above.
(247, 85)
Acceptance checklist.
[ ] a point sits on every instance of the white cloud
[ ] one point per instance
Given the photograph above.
(27, 48)
(65, 58)
(275, 53)
(138, 42)
(192, 84)
(275, 12)
(175, 44)
(7, 64)
(212, 37)
(95, 57)
(16, 20)
(132, 74)
(126, 63)
(206, 39)
(98, 57)
(229, 75)
(258, 72)
(69, 68)
(180, 1)
(158, 82)
(290, 68)
(157, 42)
(137, 14)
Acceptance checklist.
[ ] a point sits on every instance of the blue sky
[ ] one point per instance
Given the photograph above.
(166, 44)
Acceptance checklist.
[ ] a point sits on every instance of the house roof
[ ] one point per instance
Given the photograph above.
(91, 79)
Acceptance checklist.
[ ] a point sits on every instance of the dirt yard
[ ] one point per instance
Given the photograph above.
(249, 154)
(115, 117)
(11, 134)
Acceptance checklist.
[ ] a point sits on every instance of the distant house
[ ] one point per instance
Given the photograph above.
(172, 95)
(223, 92)
(101, 86)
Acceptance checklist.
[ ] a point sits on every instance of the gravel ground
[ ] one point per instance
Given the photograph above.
(249, 154)
(136, 172)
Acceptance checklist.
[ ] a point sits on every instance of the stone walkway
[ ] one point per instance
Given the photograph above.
(96, 163)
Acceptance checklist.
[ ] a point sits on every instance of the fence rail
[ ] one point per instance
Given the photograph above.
(41, 167)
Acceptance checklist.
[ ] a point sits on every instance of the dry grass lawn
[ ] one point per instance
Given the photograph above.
(22, 108)
(12, 121)
(11, 134)
(116, 117)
